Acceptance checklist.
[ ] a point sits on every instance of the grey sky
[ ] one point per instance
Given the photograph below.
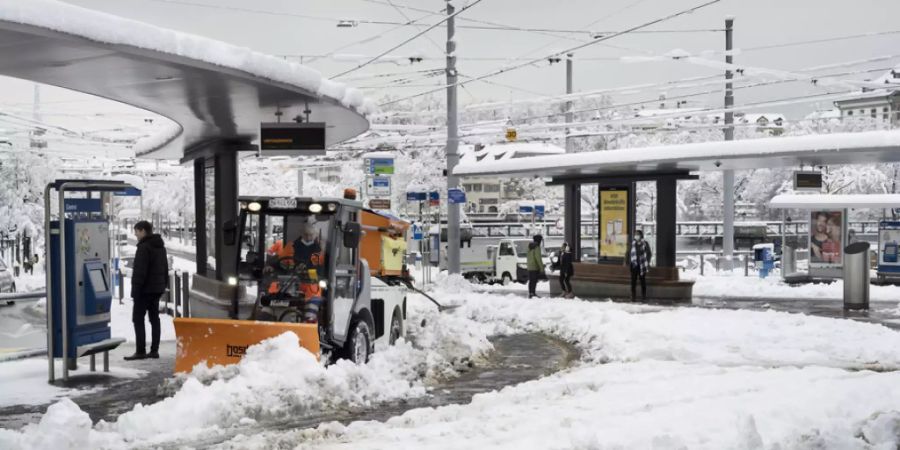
(757, 23)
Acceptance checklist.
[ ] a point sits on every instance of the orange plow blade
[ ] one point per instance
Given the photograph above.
(223, 342)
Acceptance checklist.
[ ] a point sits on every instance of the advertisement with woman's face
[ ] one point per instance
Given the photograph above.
(826, 238)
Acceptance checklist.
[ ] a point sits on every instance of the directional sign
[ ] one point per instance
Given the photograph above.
(456, 196)
(378, 186)
(83, 205)
(416, 196)
(130, 192)
(380, 203)
(380, 166)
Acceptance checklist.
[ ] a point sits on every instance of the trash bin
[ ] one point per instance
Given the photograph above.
(856, 276)
(788, 261)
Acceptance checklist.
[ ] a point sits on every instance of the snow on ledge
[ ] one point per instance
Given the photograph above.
(854, 201)
(111, 29)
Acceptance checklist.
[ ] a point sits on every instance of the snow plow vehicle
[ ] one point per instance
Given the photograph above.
(309, 266)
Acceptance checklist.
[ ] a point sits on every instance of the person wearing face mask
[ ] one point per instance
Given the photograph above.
(639, 262)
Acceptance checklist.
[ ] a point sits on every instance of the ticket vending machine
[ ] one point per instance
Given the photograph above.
(85, 260)
(79, 280)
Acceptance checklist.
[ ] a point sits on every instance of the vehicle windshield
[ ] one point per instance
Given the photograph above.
(289, 240)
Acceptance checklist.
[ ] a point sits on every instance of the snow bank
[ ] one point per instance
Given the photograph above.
(739, 286)
(657, 378)
(279, 379)
(107, 28)
(62, 427)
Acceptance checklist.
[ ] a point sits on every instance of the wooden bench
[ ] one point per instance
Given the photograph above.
(614, 281)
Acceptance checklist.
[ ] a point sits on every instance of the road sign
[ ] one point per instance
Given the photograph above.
(378, 186)
(380, 203)
(511, 134)
(456, 196)
(380, 166)
(416, 196)
(434, 199)
(417, 233)
(130, 192)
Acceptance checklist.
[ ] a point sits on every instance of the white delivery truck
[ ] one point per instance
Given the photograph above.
(503, 262)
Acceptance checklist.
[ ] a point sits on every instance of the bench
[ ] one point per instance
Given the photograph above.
(614, 281)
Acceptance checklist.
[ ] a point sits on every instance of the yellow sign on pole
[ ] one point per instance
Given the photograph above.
(510, 134)
(613, 223)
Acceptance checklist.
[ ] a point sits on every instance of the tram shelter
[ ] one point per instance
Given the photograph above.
(616, 171)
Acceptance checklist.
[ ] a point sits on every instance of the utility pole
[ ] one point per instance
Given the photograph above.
(300, 182)
(571, 192)
(452, 146)
(728, 174)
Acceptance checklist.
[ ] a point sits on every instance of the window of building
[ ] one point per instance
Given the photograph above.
(475, 187)
(862, 112)
(491, 188)
(849, 113)
(874, 113)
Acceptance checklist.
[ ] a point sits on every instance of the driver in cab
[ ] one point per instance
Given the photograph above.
(309, 259)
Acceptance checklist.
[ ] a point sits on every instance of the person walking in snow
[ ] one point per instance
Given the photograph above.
(535, 264)
(149, 280)
(640, 261)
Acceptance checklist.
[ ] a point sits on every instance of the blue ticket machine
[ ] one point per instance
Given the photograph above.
(88, 294)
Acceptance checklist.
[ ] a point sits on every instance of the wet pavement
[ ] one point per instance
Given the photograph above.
(515, 359)
(884, 313)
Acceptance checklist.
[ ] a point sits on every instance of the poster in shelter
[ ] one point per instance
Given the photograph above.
(613, 223)
(826, 239)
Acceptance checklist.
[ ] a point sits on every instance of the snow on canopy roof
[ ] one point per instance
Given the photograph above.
(853, 201)
(108, 28)
(512, 150)
(377, 155)
(211, 88)
(822, 149)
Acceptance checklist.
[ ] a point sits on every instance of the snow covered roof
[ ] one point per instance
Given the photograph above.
(856, 201)
(823, 149)
(212, 89)
(507, 151)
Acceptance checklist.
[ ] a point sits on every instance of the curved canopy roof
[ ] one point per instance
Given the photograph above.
(215, 91)
(813, 150)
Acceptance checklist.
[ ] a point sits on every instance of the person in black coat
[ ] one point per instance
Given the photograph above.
(149, 280)
(566, 270)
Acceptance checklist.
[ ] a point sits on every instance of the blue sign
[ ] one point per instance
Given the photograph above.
(417, 232)
(525, 209)
(434, 196)
(456, 196)
(381, 182)
(381, 166)
(416, 196)
(539, 210)
(83, 205)
(130, 192)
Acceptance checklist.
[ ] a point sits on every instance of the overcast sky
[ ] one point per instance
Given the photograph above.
(757, 23)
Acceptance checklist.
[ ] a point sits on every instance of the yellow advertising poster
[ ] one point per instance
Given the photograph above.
(613, 223)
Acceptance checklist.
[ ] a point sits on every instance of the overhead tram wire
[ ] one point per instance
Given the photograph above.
(572, 49)
(409, 40)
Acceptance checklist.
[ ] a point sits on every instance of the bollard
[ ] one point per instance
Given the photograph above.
(185, 295)
(120, 279)
(173, 286)
(177, 288)
(746, 266)
(701, 264)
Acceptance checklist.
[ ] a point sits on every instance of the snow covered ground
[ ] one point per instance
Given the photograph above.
(736, 285)
(649, 377)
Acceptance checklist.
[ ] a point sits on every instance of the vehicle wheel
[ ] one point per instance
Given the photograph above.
(358, 347)
(396, 329)
(506, 279)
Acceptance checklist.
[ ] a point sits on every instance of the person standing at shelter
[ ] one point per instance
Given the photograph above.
(149, 280)
(566, 270)
(640, 261)
(535, 264)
